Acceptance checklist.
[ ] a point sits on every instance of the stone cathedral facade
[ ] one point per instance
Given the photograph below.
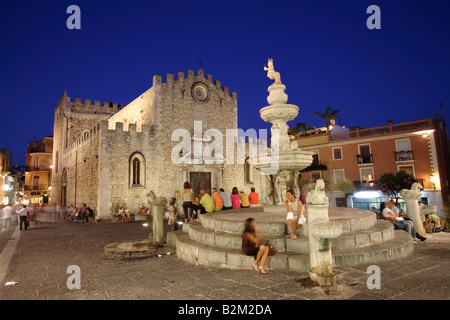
(110, 155)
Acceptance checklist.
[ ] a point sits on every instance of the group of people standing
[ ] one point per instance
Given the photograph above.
(22, 211)
(194, 205)
(26, 216)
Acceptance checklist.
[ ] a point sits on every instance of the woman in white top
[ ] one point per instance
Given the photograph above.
(294, 213)
(122, 213)
(127, 214)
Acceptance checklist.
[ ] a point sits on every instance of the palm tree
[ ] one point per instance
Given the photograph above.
(328, 116)
(295, 131)
(310, 128)
(301, 125)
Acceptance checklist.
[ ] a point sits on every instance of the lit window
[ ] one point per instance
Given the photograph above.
(338, 175)
(408, 169)
(36, 163)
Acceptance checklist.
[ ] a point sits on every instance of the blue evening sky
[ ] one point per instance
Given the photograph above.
(325, 53)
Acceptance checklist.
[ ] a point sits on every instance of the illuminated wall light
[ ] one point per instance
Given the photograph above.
(367, 194)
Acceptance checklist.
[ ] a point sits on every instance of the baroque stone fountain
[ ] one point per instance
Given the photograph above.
(284, 161)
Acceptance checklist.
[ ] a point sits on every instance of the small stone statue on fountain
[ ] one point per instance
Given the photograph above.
(281, 186)
(271, 73)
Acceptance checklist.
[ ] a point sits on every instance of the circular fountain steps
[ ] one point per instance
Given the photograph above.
(217, 240)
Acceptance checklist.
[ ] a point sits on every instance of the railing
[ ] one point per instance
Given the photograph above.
(404, 155)
(37, 187)
(365, 185)
(391, 128)
(364, 159)
(38, 168)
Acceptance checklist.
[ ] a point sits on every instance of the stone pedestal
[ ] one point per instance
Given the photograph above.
(413, 212)
(158, 204)
(412, 198)
(321, 234)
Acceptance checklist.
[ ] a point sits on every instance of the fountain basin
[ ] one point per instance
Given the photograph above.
(291, 160)
(279, 113)
(426, 210)
(134, 249)
(326, 229)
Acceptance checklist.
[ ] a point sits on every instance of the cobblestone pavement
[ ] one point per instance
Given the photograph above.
(44, 253)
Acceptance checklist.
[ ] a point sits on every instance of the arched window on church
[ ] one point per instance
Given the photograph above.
(137, 170)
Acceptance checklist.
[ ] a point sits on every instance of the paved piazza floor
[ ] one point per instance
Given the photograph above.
(42, 255)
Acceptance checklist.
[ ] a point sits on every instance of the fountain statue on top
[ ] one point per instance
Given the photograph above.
(271, 73)
(285, 159)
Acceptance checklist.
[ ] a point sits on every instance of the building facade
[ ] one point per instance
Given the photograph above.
(5, 170)
(361, 155)
(112, 155)
(38, 171)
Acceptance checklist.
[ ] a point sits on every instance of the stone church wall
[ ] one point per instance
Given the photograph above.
(98, 159)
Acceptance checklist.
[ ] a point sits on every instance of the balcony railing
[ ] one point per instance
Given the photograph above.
(404, 155)
(364, 185)
(363, 159)
(37, 187)
(38, 168)
(389, 129)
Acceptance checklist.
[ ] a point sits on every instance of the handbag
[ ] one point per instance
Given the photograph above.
(429, 226)
(272, 250)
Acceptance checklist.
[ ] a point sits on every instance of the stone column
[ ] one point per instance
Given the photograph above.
(321, 234)
(158, 204)
(412, 198)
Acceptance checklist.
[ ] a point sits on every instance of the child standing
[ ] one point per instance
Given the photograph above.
(172, 210)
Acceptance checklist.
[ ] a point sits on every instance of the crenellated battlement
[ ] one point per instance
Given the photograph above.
(86, 137)
(170, 79)
(120, 128)
(94, 133)
(87, 106)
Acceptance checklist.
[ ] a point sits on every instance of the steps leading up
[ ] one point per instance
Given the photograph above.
(377, 234)
(398, 247)
(217, 240)
(207, 255)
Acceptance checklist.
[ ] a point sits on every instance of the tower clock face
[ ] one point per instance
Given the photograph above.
(200, 92)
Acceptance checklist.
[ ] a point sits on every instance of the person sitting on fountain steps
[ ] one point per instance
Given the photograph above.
(251, 245)
(399, 222)
(294, 213)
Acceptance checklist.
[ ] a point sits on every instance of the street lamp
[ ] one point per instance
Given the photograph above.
(433, 181)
